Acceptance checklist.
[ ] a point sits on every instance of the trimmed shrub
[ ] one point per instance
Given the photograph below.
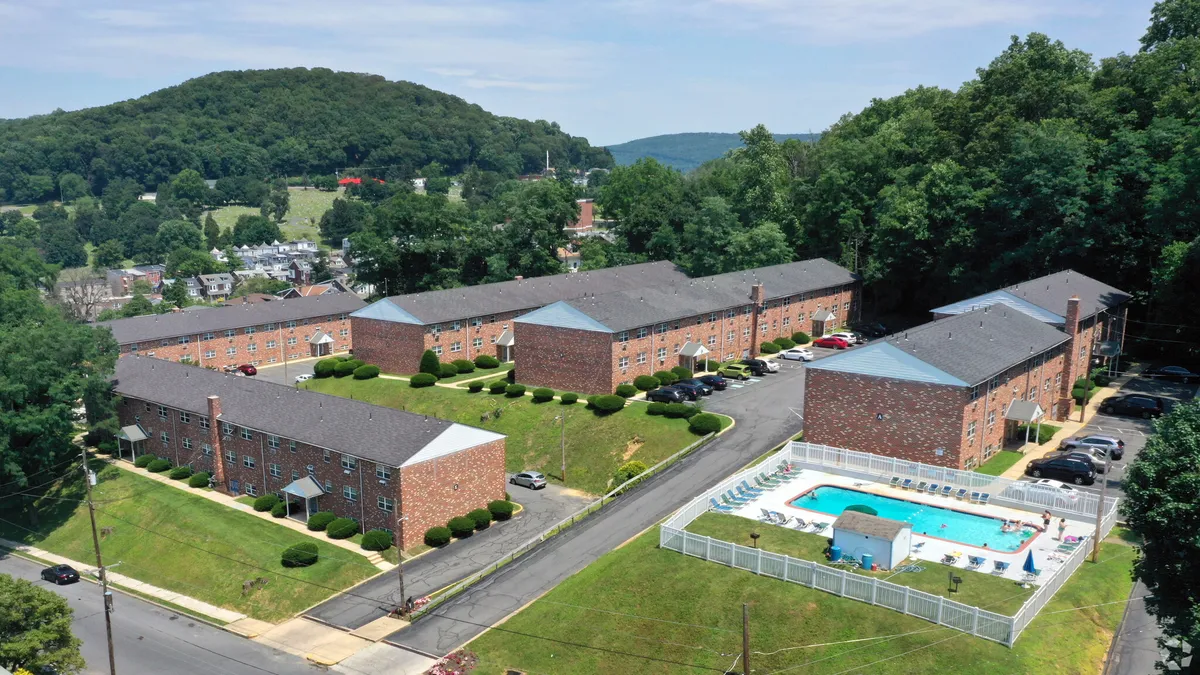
(628, 470)
(463, 365)
(801, 338)
(461, 527)
(511, 375)
(1042, 435)
(682, 373)
(482, 518)
(1079, 394)
(705, 423)
(358, 363)
(437, 536)
(317, 522)
(144, 461)
(487, 361)
(514, 390)
(542, 394)
(656, 408)
(344, 368)
(666, 377)
(341, 528)
(430, 363)
(280, 510)
(180, 473)
(474, 387)
(159, 465)
(447, 370)
(646, 382)
(626, 390)
(677, 410)
(266, 502)
(501, 509)
(569, 398)
(609, 403)
(366, 372)
(497, 387)
(325, 367)
(1100, 377)
(712, 366)
(768, 348)
(422, 380)
(376, 540)
(299, 555)
(199, 480)
(591, 401)
(784, 343)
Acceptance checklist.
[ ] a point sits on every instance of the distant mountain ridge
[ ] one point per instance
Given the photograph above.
(685, 151)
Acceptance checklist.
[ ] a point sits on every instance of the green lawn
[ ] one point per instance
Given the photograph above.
(639, 582)
(1003, 596)
(490, 373)
(1000, 462)
(139, 510)
(596, 445)
(305, 208)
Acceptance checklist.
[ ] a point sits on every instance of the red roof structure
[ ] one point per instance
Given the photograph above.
(355, 180)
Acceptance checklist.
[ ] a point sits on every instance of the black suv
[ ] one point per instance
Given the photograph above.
(715, 381)
(1138, 405)
(757, 366)
(1062, 468)
(694, 385)
(666, 395)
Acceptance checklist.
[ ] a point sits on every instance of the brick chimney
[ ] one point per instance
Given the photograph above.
(758, 295)
(1071, 358)
(214, 439)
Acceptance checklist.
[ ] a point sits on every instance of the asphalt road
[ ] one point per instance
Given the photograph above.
(1136, 648)
(278, 374)
(149, 639)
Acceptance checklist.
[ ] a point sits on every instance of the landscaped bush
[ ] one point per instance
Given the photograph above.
(801, 338)
(317, 522)
(159, 465)
(628, 470)
(497, 387)
(325, 367)
(487, 361)
(591, 400)
(199, 480)
(542, 394)
(358, 363)
(474, 387)
(609, 403)
(514, 390)
(1078, 392)
(341, 528)
(463, 365)
(626, 390)
(656, 408)
(280, 510)
(482, 518)
(300, 555)
(422, 380)
(437, 536)
(768, 348)
(501, 509)
(447, 370)
(376, 540)
(646, 382)
(511, 375)
(705, 423)
(1100, 377)
(143, 461)
(1040, 436)
(682, 373)
(677, 410)
(461, 527)
(666, 377)
(569, 398)
(784, 343)
(430, 363)
(712, 366)
(366, 372)
(180, 473)
(344, 368)
(266, 502)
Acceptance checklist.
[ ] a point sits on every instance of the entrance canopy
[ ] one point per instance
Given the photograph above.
(132, 433)
(506, 339)
(1024, 411)
(305, 488)
(693, 349)
(824, 315)
(321, 338)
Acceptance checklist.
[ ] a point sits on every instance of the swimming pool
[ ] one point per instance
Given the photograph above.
(935, 521)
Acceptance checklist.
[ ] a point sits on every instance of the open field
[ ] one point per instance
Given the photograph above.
(185, 543)
(304, 213)
(684, 615)
(596, 445)
(999, 463)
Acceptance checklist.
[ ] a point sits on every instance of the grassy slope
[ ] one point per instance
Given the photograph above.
(999, 463)
(596, 445)
(641, 580)
(121, 496)
(305, 208)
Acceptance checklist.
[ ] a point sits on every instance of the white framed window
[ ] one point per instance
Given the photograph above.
(210, 354)
(350, 493)
(494, 339)
(991, 418)
(477, 322)
(1046, 386)
(383, 472)
(328, 487)
(660, 328)
(326, 456)
(457, 325)
(641, 332)
(276, 471)
(712, 340)
(971, 432)
(662, 353)
(1058, 379)
(746, 332)
(731, 336)
(291, 446)
(185, 418)
(187, 443)
(974, 392)
(252, 347)
(455, 347)
(477, 343)
(295, 475)
(273, 442)
(209, 336)
(166, 438)
(291, 341)
(344, 332)
(712, 317)
(291, 324)
(349, 463)
(1033, 392)
(248, 461)
(231, 456)
(435, 330)
(247, 434)
(230, 351)
(184, 340)
(206, 449)
(203, 422)
(250, 490)
(271, 344)
(437, 349)
(162, 412)
(230, 333)
(386, 505)
(250, 330)
(623, 362)
(746, 310)
(623, 336)
(226, 429)
(641, 358)
(787, 321)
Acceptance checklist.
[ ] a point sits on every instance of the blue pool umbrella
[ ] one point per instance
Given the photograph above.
(1029, 566)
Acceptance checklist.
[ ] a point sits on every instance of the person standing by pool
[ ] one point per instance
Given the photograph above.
(1062, 527)
(1046, 517)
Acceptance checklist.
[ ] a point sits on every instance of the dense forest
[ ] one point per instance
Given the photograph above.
(272, 123)
(686, 151)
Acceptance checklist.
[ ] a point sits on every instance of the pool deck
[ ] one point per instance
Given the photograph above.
(928, 549)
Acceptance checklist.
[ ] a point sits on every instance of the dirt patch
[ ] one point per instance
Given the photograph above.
(632, 447)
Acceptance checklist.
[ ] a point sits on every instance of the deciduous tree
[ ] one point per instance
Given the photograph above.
(35, 629)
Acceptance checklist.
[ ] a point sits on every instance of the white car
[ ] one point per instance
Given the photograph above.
(796, 354)
(1054, 485)
(303, 378)
(850, 338)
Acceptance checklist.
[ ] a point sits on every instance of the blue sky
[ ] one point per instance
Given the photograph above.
(610, 70)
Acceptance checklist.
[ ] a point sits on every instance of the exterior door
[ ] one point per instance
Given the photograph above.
(234, 487)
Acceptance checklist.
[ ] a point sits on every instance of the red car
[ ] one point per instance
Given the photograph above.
(831, 342)
(248, 369)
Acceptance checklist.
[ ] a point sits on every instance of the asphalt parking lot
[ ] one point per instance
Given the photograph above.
(281, 374)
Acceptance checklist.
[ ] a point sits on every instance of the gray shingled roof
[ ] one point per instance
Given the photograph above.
(368, 431)
(1051, 293)
(974, 346)
(236, 315)
(872, 526)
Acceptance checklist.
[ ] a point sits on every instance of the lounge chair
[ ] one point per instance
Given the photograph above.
(1068, 546)
(820, 527)
(781, 519)
(999, 567)
(962, 492)
(950, 559)
(947, 490)
(769, 478)
(784, 476)
(767, 482)
(766, 516)
(933, 488)
(974, 562)
(717, 506)
(751, 489)
(906, 484)
(921, 486)
(895, 481)
(974, 497)
(729, 496)
(746, 494)
(801, 524)
(984, 497)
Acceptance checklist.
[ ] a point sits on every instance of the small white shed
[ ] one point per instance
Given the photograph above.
(887, 541)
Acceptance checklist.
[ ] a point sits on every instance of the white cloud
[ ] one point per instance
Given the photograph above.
(452, 72)
(494, 83)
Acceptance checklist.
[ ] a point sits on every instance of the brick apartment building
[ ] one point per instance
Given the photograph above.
(462, 323)
(383, 467)
(593, 343)
(254, 333)
(951, 392)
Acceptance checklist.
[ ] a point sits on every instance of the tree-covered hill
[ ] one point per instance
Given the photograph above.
(266, 123)
(685, 151)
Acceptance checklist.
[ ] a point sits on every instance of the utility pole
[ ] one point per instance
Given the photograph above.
(1108, 466)
(745, 639)
(87, 480)
(400, 565)
(562, 439)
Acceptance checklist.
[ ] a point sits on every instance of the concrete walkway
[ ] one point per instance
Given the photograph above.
(198, 606)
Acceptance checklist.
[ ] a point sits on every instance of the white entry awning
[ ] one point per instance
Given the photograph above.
(305, 488)
(1024, 411)
(506, 339)
(132, 433)
(693, 349)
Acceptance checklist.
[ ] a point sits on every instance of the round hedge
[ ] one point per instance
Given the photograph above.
(199, 480)
(341, 528)
(447, 370)
(159, 465)
(317, 522)
(768, 348)
(609, 403)
(486, 361)
(497, 387)
(266, 502)
(181, 473)
(682, 373)
(541, 394)
(463, 365)
(666, 377)
(569, 398)
(482, 518)
(711, 365)
(376, 540)
(325, 367)
(280, 510)
(461, 527)
(501, 509)
(358, 363)
(366, 372)
(626, 390)
(677, 410)
(422, 380)
(591, 400)
(344, 368)
(785, 343)
(705, 423)
(474, 387)
(656, 408)
(437, 536)
(646, 382)
(801, 338)
(144, 461)
(514, 390)
(299, 555)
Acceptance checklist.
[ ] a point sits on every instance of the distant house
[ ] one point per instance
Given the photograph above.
(569, 258)
(194, 290)
(84, 298)
(418, 183)
(323, 288)
(300, 272)
(121, 282)
(217, 286)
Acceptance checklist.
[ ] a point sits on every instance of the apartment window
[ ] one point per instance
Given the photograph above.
(623, 362)
(350, 493)
(295, 475)
(477, 322)
(676, 347)
(291, 341)
(662, 328)
(437, 349)
(206, 449)
(328, 487)
(746, 332)
(252, 348)
(846, 306)
(662, 353)
(269, 326)
(349, 463)
(731, 336)
(623, 336)
(974, 392)
(457, 325)
(712, 340)
(246, 434)
(1082, 351)
(187, 443)
(184, 340)
(386, 505)
(712, 317)
(231, 456)
(133, 347)
(162, 411)
(166, 438)
(787, 321)
(226, 429)
(477, 343)
(494, 339)
(455, 347)
(292, 446)
(1033, 392)
(272, 360)
(991, 418)
(383, 472)
(209, 336)
(311, 471)
(641, 358)
(185, 418)
(746, 310)
(1058, 379)
(203, 422)
(248, 461)
(641, 332)
(276, 471)
(291, 324)
(435, 330)
(250, 490)
(250, 330)
(164, 343)
(230, 333)
(346, 331)
(273, 442)
(230, 351)
(1046, 385)
(971, 432)
(210, 354)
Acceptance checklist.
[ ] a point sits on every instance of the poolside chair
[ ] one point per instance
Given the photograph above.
(1069, 546)
(895, 481)
(974, 497)
(747, 495)
(781, 519)
(801, 524)
(820, 527)
(984, 497)
(951, 558)
(785, 477)
(734, 499)
(962, 492)
(932, 489)
(921, 486)
(906, 484)
(999, 567)
(974, 562)
(751, 489)
(947, 490)
(716, 506)
(766, 516)
(765, 480)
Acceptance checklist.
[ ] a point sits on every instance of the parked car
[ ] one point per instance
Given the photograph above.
(1062, 468)
(666, 395)
(1111, 446)
(1138, 405)
(715, 381)
(1093, 457)
(1172, 373)
(696, 385)
(534, 480)
(873, 329)
(60, 574)
(831, 342)
(735, 371)
(248, 369)
(762, 364)
(1049, 484)
(849, 337)
(303, 378)
(690, 393)
(796, 354)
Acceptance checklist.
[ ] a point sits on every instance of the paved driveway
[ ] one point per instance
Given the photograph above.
(280, 374)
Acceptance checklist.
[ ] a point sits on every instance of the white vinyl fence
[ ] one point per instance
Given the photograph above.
(839, 581)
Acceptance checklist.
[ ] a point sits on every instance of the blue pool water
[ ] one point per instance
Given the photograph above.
(965, 528)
